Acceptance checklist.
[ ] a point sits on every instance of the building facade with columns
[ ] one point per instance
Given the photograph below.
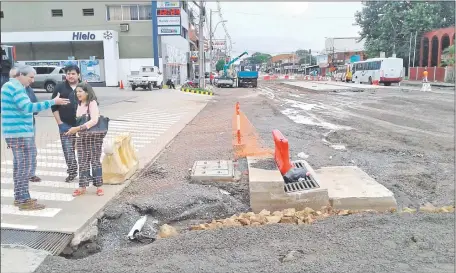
(432, 45)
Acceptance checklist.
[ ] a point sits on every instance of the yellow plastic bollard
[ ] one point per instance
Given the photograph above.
(119, 164)
(128, 153)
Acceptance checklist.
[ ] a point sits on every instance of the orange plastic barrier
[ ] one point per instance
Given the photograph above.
(267, 78)
(286, 77)
(282, 154)
(246, 141)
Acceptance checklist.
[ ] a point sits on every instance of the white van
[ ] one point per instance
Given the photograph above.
(383, 70)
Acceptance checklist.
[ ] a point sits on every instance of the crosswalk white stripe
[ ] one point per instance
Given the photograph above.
(143, 127)
(49, 196)
(39, 173)
(47, 212)
(54, 145)
(14, 226)
(138, 129)
(129, 130)
(50, 151)
(50, 157)
(45, 164)
(140, 125)
(154, 115)
(142, 141)
(146, 119)
(143, 137)
(46, 183)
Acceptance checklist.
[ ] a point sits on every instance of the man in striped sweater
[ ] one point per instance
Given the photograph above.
(17, 129)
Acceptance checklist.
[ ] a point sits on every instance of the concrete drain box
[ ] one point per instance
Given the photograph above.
(218, 170)
(269, 191)
(349, 187)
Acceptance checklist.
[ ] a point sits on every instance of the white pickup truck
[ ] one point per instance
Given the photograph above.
(148, 77)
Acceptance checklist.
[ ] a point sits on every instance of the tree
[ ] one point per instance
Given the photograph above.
(305, 57)
(388, 24)
(448, 58)
(219, 65)
(259, 58)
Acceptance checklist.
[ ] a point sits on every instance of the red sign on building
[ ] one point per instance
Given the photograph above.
(168, 12)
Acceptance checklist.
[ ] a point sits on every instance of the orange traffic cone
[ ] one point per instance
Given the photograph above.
(121, 85)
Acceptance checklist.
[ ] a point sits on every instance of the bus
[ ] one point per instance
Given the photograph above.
(383, 70)
(343, 73)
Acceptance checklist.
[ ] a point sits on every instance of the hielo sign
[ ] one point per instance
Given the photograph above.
(79, 36)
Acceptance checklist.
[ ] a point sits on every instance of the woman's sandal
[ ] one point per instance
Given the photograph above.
(100, 192)
(79, 192)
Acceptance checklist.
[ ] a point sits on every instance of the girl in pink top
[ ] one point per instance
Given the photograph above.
(89, 144)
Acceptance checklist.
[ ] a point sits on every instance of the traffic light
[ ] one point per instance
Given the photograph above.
(310, 51)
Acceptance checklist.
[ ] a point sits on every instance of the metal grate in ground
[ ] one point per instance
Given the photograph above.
(306, 183)
(53, 242)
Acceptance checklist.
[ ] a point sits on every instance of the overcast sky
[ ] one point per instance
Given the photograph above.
(279, 27)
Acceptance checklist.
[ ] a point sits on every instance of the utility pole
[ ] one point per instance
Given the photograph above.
(201, 45)
(210, 43)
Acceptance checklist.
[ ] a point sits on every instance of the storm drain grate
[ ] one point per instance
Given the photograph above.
(306, 183)
(53, 242)
(298, 165)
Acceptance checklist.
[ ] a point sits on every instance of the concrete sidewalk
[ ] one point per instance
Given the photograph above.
(152, 118)
(436, 84)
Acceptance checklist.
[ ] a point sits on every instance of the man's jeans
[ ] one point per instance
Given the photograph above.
(68, 144)
(24, 152)
(35, 152)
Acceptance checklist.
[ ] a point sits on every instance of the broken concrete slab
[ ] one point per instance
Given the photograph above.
(21, 259)
(267, 188)
(351, 188)
(218, 170)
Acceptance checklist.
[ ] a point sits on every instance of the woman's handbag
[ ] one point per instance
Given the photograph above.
(100, 127)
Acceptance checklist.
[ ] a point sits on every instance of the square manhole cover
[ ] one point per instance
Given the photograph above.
(218, 170)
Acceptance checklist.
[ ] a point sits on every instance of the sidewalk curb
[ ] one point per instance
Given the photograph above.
(194, 91)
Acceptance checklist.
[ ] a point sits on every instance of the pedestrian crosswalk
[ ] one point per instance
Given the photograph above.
(146, 126)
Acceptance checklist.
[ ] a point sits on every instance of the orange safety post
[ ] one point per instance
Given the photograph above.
(281, 155)
(121, 85)
(238, 122)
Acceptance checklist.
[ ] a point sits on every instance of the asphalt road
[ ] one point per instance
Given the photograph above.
(402, 138)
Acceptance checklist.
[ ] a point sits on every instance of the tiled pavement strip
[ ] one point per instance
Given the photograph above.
(152, 124)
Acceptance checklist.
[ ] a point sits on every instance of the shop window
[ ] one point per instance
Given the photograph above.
(88, 12)
(129, 13)
(57, 13)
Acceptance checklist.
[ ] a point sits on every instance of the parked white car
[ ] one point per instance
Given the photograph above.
(147, 77)
(48, 77)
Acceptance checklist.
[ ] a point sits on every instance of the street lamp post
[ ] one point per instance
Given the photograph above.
(211, 33)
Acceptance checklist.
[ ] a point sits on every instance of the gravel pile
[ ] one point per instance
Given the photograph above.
(395, 243)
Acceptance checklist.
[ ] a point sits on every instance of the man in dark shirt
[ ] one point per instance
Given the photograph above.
(65, 116)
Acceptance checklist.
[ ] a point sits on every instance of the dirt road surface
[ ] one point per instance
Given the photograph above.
(402, 137)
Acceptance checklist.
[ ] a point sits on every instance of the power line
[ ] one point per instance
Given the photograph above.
(228, 37)
(291, 16)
